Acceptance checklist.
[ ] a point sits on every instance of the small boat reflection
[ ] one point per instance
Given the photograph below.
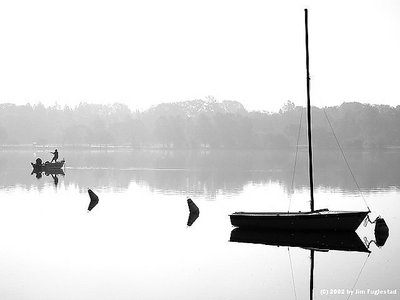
(53, 172)
(55, 179)
(319, 241)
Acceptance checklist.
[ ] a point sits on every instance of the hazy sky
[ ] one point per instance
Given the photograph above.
(146, 52)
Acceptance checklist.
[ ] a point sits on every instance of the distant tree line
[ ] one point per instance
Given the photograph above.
(198, 124)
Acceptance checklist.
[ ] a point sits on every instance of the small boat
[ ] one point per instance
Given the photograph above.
(313, 220)
(39, 166)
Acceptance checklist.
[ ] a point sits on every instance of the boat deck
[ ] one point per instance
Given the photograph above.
(292, 214)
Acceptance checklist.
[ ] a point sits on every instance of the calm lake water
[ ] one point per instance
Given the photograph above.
(135, 244)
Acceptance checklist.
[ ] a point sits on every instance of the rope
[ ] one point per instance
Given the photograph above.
(358, 277)
(345, 159)
(295, 160)
(368, 243)
(367, 219)
(291, 268)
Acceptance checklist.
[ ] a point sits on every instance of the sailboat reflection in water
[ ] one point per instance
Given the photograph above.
(321, 241)
(313, 241)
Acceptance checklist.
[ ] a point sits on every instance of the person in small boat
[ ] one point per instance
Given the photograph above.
(55, 157)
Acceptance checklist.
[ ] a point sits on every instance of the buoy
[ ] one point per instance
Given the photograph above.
(93, 199)
(381, 232)
(194, 212)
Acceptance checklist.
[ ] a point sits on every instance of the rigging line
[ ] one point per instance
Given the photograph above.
(345, 159)
(359, 274)
(291, 268)
(295, 160)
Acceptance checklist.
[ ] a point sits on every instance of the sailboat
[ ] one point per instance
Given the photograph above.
(313, 220)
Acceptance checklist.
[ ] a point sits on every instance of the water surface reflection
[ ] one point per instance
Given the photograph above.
(207, 173)
(135, 244)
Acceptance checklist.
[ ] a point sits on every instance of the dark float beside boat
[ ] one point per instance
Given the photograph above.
(314, 220)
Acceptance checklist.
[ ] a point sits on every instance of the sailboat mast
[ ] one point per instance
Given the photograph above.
(309, 118)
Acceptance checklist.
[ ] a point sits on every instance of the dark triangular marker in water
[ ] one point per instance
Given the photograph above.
(194, 212)
(93, 200)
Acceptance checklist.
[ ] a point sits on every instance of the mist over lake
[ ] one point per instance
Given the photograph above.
(136, 238)
(206, 172)
(199, 124)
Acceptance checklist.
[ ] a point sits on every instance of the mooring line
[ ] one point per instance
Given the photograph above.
(345, 159)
